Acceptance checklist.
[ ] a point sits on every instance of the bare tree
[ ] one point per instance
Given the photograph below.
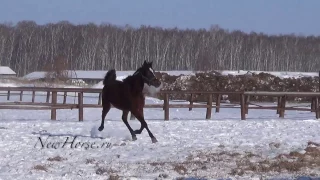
(58, 71)
(28, 47)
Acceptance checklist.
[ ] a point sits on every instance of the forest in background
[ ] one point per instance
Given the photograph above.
(28, 47)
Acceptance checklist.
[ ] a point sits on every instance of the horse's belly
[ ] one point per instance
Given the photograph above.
(138, 102)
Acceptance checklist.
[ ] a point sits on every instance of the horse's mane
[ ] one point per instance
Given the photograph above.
(131, 77)
(131, 81)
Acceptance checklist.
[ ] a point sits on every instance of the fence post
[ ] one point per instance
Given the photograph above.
(317, 101)
(282, 106)
(317, 109)
(278, 104)
(48, 96)
(54, 102)
(209, 108)
(21, 93)
(312, 104)
(242, 106)
(247, 99)
(218, 102)
(8, 97)
(100, 99)
(80, 105)
(191, 102)
(166, 106)
(33, 95)
(65, 97)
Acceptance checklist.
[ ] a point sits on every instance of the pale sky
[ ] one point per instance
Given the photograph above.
(267, 16)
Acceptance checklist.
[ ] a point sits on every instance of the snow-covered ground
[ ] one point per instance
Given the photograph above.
(188, 145)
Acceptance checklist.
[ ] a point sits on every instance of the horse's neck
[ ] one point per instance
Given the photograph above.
(139, 84)
(136, 84)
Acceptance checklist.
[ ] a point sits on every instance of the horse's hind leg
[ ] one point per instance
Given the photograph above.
(125, 120)
(139, 131)
(105, 109)
(144, 124)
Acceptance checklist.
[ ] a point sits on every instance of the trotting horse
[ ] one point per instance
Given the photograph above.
(128, 96)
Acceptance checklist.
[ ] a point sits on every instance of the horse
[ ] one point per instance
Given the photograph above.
(128, 96)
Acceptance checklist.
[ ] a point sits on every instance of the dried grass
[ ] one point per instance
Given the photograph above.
(40, 168)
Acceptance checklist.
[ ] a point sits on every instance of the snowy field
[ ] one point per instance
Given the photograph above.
(189, 147)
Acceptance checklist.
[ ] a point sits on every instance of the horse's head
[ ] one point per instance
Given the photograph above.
(148, 75)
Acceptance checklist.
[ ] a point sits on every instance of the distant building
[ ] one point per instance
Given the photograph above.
(7, 72)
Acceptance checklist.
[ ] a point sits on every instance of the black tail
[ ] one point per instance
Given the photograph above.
(110, 77)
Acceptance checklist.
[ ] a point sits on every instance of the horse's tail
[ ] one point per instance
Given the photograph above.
(110, 77)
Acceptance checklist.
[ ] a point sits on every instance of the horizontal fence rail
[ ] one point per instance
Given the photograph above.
(73, 98)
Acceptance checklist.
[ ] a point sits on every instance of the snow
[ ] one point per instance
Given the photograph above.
(185, 135)
(181, 136)
(6, 70)
(8, 85)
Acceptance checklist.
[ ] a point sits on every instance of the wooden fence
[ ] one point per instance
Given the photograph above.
(52, 103)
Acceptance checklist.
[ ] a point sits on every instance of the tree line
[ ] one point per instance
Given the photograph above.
(28, 47)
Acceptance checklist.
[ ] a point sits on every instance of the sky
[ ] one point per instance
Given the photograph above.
(267, 16)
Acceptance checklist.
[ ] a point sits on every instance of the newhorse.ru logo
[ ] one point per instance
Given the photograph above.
(71, 142)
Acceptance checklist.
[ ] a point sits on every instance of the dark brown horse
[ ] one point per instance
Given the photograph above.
(128, 96)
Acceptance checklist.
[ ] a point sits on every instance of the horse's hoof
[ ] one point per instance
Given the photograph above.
(100, 128)
(154, 140)
(134, 138)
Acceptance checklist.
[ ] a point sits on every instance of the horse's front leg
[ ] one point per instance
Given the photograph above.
(140, 117)
(138, 109)
(140, 113)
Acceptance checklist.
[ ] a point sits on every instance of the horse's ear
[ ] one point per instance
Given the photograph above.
(144, 63)
(150, 63)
